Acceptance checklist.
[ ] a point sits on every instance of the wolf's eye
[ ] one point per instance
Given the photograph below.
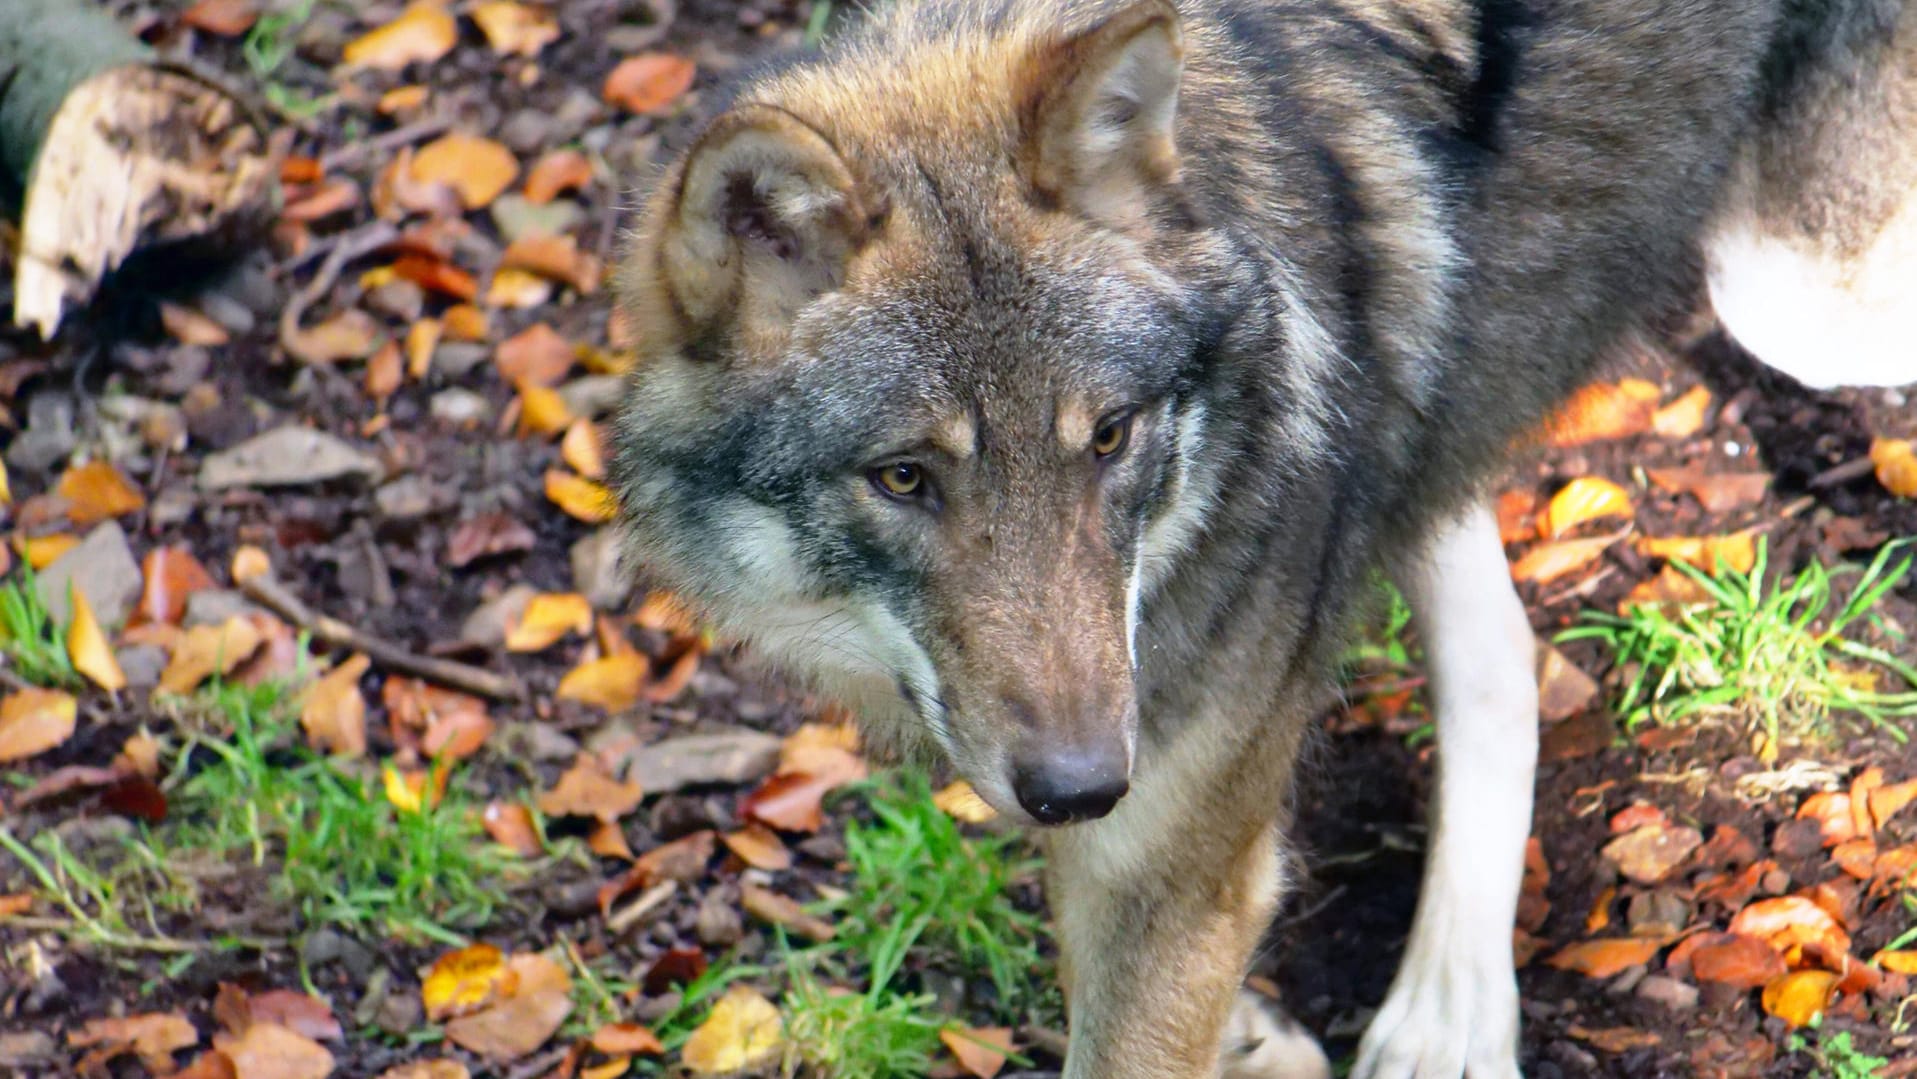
(901, 479)
(1112, 435)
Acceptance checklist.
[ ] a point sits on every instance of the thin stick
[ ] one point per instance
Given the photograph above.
(379, 144)
(265, 590)
(357, 244)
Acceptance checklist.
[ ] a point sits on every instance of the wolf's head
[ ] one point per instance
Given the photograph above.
(914, 406)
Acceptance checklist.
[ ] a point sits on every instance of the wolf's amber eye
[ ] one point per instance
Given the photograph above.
(900, 480)
(1112, 436)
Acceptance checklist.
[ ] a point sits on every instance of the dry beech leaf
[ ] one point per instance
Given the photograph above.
(521, 1020)
(155, 1036)
(960, 802)
(423, 33)
(1897, 962)
(774, 909)
(271, 1051)
(742, 1031)
(479, 169)
(1717, 492)
(511, 826)
(350, 335)
(1744, 962)
(1886, 800)
(205, 651)
(456, 735)
(549, 617)
(190, 327)
(1517, 516)
(1832, 812)
(515, 29)
(97, 491)
(464, 322)
(413, 790)
(585, 790)
(1669, 591)
(665, 612)
(1799, 998)
(422, 339)
(334, 714)
(556, 172)
(1737, 550)
(1548, 562)
(1789, 922)
(555, 257)
(428, 1069)
(1862, 786)
(402, 99)
(319, 201)
(1603, 958)
(628, 1039)
(87, 647)
(250, 562)
(437, 275)
(1895, 462)
(1602, 412)
(790, 802)
(536, 354)
(517, 289)
(981, 1051)
(759, 847)
(33, 721)
(542, 411)
(168, 576)
(828, 752)
(222, 18)
(384, 372)
(1683, 417)
(608, 840)
(583, 449)
(615, 683)
(1587, 498)
(581, 498)
(43, 551)
(462, 982)
(649, 82)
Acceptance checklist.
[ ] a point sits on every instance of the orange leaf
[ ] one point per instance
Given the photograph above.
(384, 372)
(666, 613)
(1683, 417)
(542, 411)
(1603, 411)
(1899, 962)
(33, 721)
(829, 752)
(512, 28)
(221, 18)
(1560, 558)
(464, 322)
(479, 169)
(169, 575)
(608, 840)
(536, 354)
(1744, 962)
(1717, 492)
(522, 1021)
(1603, 958)
(583, 449)
(1886, 800)
(759, 847)
(423, 33)
(1788, 923)
(548, 617)
(582, 499)
(791, 802)
(1862, 786)
(1895, 461)
(96, 491)
(154, 1036)
(271, 1051)
(585, 790)
(318, 201)
(334, 713)
(649, 82)
(614, 683)
(627, 1038)
(518, 289)
(1669, 591)
(414, 790)
(511, 826)
(464, 981)
(1587, 498)
(1831, 811)
(556, 257)
(1517, 516)
(87, 647)
(350, 335)
(437, 275)
(1799, 998)
(43, 551)
(981, 1051)
(560, 170)
(205, 651)
(1737, 550)
(401, 99)
(249, 562)
(422, 339)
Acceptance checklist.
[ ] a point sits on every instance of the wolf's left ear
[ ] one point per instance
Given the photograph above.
(765, 218)
(1100, 117)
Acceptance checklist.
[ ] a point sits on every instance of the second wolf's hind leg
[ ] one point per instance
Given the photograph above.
(1453, 1008)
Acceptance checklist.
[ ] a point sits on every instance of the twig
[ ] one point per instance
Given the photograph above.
(650, 901)
(357, 244)
(161, 945)
(1855, 468)
(268, 592)
(347, 156)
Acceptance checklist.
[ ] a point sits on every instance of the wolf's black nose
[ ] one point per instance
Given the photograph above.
(1070, 785)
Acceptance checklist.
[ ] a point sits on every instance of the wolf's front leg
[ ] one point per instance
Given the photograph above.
(1158, 908)
(1453, 1009)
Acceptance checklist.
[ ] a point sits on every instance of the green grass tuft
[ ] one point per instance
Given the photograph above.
(32, 642)
(1834, 1057)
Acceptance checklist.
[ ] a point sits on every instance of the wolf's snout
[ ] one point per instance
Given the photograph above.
(1067, 784)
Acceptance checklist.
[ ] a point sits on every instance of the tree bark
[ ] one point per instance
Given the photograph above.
(109, 149)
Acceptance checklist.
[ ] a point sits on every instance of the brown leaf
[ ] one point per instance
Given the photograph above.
(583, 449)
(1788, 923)
(1517, 516)
(1602, 412)
(479, 169)
(350, 335)
(155, 1036)
(542, 411)
(1740, 961)
(608, 840)
(33, 721)
(743, 1031)
(415, 709)
(1799, 998)
(488, 535)
(1563, 688)
(676, 967)
(555, 257)
(1587, 498)
(790, 802)
(517, 289)
(1652, 853)
(96, 491)
(301, 1013)
(557, 171)
(1831, 811)
(270, 1051)
(422, 340)
(318, 201)
(427, 1069)
(649, 81)
(384, 372)
(585, 790)
(437, 275)
(170, 574)
(205, 651)
(463, 981)
(514, 29)
(628, 1039)
(1861, 787)
(1615, 1039)
(221, 18)
(454, 736)
(615, 683)
(88, 649)
(1683, 417)
(425, 32)
(511, 826)
(1717, 492)
(1603, 958)
(1856, 857)
(665, 612)
(1548, 562)
(684, 859)
(522, 1021)
(334, 713)
(759, 847)
(981, 1051)
(1670, 591)
(536, 354)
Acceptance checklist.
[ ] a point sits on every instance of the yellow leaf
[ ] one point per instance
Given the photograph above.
(97, 491)
(1549, 561)
(1737, 550)
(960, 802)
(477, 168)
(464, 322)
(88, 648)
(613, 683)
(248, 562)
(743, 1031)
(981, 1051)
(515, 28)
(583, 448)
(1683, 417)
(424, 32)
(581, 498)
(422, 338)
(548, 617)
(464, 981)
(518, 289)
(1898, 962)
(1800, 997)
(6, 488)
(541, 410)
(205, 651)
(414, 790)
(33, 721)
(1587, 498)
(334, 715)
(1896, 463)
(401, 99)
(43, 551)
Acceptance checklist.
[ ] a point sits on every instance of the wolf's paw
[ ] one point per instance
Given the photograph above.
(1260, 1044)
(1454, 1017)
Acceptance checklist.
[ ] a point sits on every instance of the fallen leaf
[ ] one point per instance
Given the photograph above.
(205, 651)
(556, 172)
(1603, 958)
(401, 99)
(1895, 462)
(511, 826)
(581, 498)
(1670, 591)
(423, 33)
(1856, 857)
(1799, 998)
(585, 790)
(1683, 417)
(301, 1013)
(1517, 516)
(665, 612)
(1717, 492)
(190, 327)
(1831, 811)
(1600, 917)
(169, 575)
(413, 790)
(437, 275)
(15, 904)
(583, 449)
(1602, 412)
(87, 647)
(1740, 961)
(1615, 1039)
(422, 340)
(1790, 922)
(248, 562)
(627, 1038)
(318, 201)
(828, 752)
(456, 735)
(536, 354)
(555, 257)
(542, 411)
(97, 491)
(479, 169)
(40, 552)
(486, 536)
(959, 801)
(1737, 550)
(334, 713)
(419, 712)
(33, 721)
(549, 617)
(1862, 786)
(981, 1051)
(1652, 853)
(676, 967)
(1587, 498)
(759, 847)
(428, 1069)
(155, 1036)
(524, 1020)
(1897, 962)
(221, 18)
(464, 322)
(517, 289)
(742, 1031)
(1549, 561)
(615, 683)
(515, 29)
(351, 334)
(462, 982)
(608, 840)
(684, 859)
(649, 81)
(1885, 801)
(790, 802)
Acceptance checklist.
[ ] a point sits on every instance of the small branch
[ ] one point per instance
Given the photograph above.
(357, 244)
(347, 156)
(268, 592)
(1855, 468)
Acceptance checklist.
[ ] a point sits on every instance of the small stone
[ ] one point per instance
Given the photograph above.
(1563, 687)
(400, 298)
(410, 498)
(1649, 854)
(20, 1048)
(594, 395)
(537, 742)
(48, 437)
(1664, 990)
(142, 664)
(103, 568)
(459, 407)
(718, 923)
(289, 456)
(527, 132)
(1622, 985)
(517, 218)
(489, 623)
(1661, 912)
(731, 759)
(213, 606)
(596, 573)
(228, 312)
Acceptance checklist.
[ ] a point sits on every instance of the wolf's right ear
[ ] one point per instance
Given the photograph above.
(765, 217)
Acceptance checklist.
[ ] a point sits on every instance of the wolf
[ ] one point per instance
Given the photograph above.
(1047, 378)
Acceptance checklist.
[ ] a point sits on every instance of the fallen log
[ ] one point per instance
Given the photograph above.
(106, 149)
